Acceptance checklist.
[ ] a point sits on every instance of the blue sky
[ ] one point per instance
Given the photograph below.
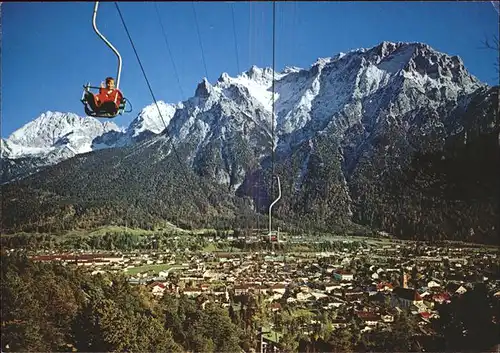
(49, 50)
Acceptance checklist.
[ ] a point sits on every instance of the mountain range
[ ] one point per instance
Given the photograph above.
(399, 137)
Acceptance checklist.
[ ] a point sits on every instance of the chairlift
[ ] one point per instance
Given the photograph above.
(110, 101)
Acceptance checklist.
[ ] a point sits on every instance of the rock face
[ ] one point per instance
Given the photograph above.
(374, 136)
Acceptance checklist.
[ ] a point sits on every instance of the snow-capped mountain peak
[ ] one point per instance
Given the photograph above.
(224, 77)
(52, 130)
(203, 89)
(361, 86)
(290, 69)
(150, 120)
(261, 76)
(322, 61)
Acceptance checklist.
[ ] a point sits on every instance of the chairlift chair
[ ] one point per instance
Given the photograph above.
(107, 109)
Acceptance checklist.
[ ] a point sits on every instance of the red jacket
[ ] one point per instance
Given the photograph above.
(109, 95)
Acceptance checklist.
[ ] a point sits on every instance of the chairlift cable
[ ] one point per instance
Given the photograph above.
(156, 103)
(169, 51)
(250, 34)
(235, 39)
(142, 68)
(273, 89)
(199, 40)
(273, 175)
(250, 63)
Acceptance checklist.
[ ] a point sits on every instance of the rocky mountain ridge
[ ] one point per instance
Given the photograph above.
(351, 133)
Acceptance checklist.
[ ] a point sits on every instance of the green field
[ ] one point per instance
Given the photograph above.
(211, 247)
(118, 229)
(110, 229)
(305, 247)
(121, 229)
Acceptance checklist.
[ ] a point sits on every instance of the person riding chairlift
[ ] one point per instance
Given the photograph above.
(108, 100)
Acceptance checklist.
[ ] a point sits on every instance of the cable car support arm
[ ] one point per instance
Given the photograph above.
(118, 74)
(274, 202)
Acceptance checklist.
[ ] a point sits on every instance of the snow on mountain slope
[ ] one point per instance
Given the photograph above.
(361, 86)
(357, 86)
(150, 120)
(53, 131)
(50, 139)
(258, 82)
(343, 90)
(13, 150)
(148, 123)
(364, 86)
